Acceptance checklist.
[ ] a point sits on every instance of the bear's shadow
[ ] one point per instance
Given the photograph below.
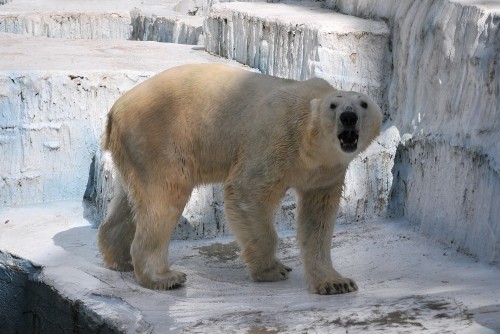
(80, 241)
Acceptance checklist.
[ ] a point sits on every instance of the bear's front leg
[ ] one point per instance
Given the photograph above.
(250, 211)
(317, 211)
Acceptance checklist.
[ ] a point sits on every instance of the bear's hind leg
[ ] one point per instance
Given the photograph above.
(251, 218)
(157, 210)
(116, 233)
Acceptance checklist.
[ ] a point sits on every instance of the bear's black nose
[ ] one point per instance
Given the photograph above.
(348, 118)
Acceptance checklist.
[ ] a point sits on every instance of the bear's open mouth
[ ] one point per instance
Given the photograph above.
(348, 140)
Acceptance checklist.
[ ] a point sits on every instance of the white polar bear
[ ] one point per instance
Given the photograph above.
(260, 135)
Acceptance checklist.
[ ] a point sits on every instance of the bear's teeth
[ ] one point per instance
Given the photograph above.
(342, 141)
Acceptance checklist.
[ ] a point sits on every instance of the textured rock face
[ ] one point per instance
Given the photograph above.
(168, 29)
(69, 25)
(51, 124)
(153, 20)
(302, 42)
(369, 180)
(444, 100)
(452, 193)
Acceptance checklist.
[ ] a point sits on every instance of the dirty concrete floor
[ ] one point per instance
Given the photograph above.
(407, 283)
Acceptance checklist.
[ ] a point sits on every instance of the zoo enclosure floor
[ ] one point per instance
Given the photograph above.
(407, 283)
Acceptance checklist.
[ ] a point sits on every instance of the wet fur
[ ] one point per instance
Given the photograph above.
(259, 135)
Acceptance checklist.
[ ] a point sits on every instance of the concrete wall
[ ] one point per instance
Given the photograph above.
(444, 100)
(128, 19)
(147, 26)
(49, 136)
(72, 25)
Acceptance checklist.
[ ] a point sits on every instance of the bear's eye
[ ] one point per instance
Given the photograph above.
(364, 104)
(333, 106)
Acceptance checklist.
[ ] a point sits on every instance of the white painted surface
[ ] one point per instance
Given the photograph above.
(406, 282)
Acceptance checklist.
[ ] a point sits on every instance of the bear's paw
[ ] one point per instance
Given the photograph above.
(277, 272)
(166, 281)
(334, 286)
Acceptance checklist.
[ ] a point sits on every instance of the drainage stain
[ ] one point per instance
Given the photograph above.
(437, 305)
(397, 318)
(221, 252)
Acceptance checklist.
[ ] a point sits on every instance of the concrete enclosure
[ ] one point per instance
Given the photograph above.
(432, 65)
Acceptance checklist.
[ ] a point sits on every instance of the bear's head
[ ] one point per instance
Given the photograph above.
(346, 121)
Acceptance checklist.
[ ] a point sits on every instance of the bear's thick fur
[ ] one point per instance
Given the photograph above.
(258, 134)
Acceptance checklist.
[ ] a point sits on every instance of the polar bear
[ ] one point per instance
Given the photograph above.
(259, 135)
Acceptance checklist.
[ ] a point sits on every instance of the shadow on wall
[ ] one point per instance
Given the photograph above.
(451, 193)
(399, 188)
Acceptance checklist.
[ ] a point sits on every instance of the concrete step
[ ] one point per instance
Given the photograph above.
(54, 95)
(152, 20)
(300, 40)
(153, 26)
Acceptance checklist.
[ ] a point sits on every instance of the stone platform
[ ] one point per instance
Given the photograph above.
(406, 284)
